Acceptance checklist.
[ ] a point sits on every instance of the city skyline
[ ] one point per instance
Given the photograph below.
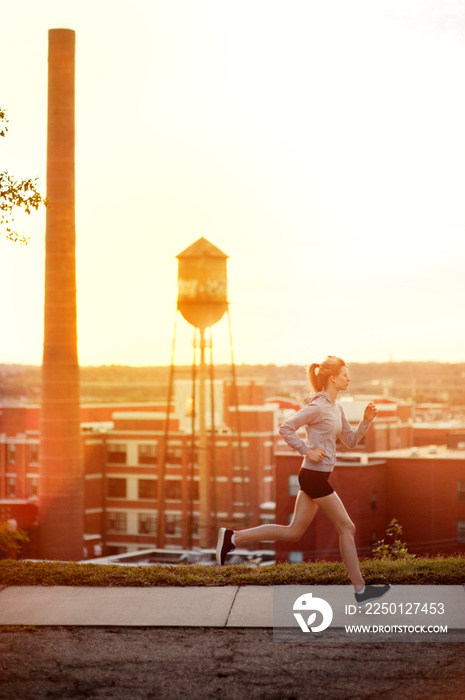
(321, 148)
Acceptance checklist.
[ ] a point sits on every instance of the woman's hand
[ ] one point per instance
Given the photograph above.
(370, 412)
(315, 455)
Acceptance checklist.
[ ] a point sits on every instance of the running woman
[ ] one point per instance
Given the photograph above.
(325, 422)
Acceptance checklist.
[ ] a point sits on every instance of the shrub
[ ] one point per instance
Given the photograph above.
(11, 541)
(394, 549)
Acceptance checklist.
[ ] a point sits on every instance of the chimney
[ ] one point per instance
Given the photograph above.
(61, 456)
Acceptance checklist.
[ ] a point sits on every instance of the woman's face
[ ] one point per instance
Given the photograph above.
(342, 380)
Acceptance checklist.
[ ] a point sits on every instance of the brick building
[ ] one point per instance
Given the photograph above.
(423, 489)
(127, 450)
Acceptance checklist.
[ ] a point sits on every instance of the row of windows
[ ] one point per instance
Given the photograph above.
(117, 453)
(147, 454)
(147, 524)
(32, 486)
(32, 453)
(147, 489)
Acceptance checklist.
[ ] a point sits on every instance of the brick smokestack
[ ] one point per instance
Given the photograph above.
(61, 453)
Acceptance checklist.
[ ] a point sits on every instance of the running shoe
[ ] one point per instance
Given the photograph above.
(224, 545)
(372, 593)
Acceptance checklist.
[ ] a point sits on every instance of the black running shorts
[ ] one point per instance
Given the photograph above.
(315, 484)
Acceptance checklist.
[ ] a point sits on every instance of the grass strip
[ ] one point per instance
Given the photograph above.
(418, 571)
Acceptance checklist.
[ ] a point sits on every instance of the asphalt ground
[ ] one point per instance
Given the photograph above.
(68, 663)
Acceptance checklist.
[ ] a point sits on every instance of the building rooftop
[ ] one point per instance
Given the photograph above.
(452, 424)
(425, 452)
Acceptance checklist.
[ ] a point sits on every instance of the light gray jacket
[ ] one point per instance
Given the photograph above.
(325, 422)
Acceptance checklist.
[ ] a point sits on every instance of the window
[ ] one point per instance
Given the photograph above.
(33, 453)
(147, 489)
(461, 530)
(11, 453)
(295, 557)
(147, 454)
(238, 521)
(116, 522)
(11, 486)
(116, 488)
(195, 526)
(239, 457)
(293, 485)
(239, 491)
(112, 550)
(173, 490)
(461, 489)
(241, 470)
(173, 524)
(32, 486)
(147, 524)
(267, 489)
(193, 490)
(374, 500)
(117, 453)
(173, 454)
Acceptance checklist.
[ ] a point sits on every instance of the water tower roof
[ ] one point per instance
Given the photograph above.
(202, 249)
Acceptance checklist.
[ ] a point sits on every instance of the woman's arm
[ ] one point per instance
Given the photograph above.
(288, 430)
(351, 437)
(370, 412)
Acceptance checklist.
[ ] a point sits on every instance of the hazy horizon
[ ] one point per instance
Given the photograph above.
(241, 364)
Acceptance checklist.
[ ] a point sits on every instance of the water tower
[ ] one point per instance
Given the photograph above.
(202, 301)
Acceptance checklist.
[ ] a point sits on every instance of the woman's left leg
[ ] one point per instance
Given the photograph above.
(304, 511)
(333, 508)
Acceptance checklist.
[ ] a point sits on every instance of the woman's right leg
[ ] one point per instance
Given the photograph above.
(334, 509)
(304, 512)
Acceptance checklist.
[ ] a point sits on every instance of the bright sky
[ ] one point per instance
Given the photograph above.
(320, 145)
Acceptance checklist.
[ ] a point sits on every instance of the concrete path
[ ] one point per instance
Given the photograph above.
(227, 606)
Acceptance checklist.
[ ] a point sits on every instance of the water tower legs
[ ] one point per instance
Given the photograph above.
(205, 490)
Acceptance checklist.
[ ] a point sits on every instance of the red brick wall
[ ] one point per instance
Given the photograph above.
(423, 497)
(421, 493)
(431, 435)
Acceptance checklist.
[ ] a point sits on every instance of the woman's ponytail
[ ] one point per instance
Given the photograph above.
(319, 374)
(313, 376)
